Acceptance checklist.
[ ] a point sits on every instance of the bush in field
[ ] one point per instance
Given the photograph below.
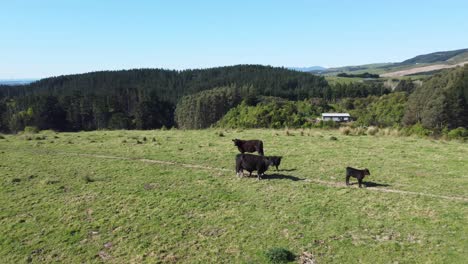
(458, 133)
(417, 130)
(372, 131)
(327, 124)
(388, 132)
(31, 130)
(345, 130)
(360, 131)
(279, 255)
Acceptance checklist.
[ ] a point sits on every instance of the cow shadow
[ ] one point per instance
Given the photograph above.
(276, 176)
(375, 184)
(287, 170)
(371, 184)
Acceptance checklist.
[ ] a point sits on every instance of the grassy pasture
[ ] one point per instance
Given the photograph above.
(173, 197)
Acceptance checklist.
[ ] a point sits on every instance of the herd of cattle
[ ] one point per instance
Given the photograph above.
(260, 163)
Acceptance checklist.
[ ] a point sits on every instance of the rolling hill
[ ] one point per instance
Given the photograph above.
(421, 64)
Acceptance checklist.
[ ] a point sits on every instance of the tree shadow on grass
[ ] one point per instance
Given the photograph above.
(276, 176)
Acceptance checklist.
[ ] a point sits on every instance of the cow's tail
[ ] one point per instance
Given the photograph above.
(260, 148)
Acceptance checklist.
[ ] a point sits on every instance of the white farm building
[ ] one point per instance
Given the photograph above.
(337, 117)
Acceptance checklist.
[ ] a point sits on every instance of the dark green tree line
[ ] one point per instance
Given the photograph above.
(441, 101)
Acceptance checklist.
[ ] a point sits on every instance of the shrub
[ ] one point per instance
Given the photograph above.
(372, 131)
(360, 131)
(345, 130)
(395, 132)
(333, 138)
(48, 131)
(384, 132)
(417, 130)
(279, 255)
(88, 179)
(31, 130)
(327, 124)
(458, 133)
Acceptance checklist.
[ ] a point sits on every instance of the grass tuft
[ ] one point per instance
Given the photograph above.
(87, 179)
(279, 255)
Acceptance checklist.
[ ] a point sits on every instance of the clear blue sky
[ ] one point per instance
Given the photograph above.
(40, 38)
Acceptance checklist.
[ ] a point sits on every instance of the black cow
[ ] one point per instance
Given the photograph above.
(358, 174)
(275, 160)
(251, 163)
(249, 145)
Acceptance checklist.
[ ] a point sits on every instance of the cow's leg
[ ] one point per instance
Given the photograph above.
(277, 168)
(347, 180)
(360, 182)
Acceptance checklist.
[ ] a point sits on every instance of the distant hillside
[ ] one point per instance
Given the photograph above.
(16, 81)
(441, 56)
(421, 64)
(309, 69)
(429, 69)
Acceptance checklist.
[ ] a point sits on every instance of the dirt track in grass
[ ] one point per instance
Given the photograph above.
(315, 181)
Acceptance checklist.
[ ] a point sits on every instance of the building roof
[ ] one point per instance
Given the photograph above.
(336, 114)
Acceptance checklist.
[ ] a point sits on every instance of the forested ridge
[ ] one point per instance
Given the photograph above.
(147, 98)
(234, 96)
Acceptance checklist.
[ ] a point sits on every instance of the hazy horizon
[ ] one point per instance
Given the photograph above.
(52, 37)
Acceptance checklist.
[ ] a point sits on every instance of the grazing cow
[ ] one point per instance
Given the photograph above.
(249, 145)
(251, 163)
(275, 160)
(358, 174)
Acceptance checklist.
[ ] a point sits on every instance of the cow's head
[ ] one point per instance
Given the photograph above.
(275, 160)
(366, 172)
(236, 142)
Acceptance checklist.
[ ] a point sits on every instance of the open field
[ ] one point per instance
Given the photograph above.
(423, 69)
(172, 196)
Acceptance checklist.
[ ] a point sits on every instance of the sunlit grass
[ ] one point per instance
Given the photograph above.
(89, 197)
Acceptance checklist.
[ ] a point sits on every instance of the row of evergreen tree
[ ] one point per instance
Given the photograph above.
(147, 98)
(439, 104)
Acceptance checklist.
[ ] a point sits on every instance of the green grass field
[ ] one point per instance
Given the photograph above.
(173, 197)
